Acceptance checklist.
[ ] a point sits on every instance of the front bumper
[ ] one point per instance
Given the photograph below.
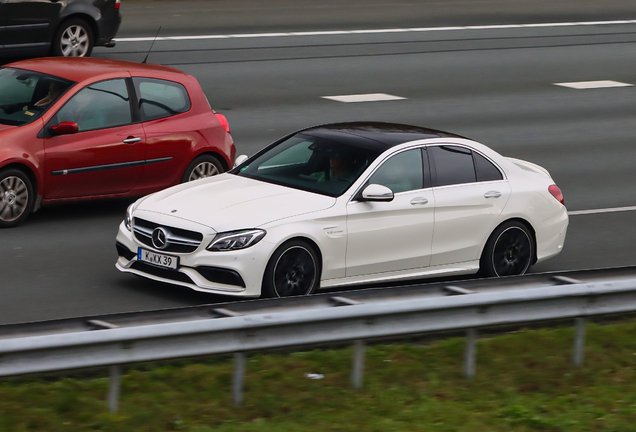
(235, 273)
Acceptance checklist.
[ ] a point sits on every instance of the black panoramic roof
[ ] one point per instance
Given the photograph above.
(377, 135)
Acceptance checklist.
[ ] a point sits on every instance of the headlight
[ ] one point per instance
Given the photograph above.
(233, 240)
(128, 219)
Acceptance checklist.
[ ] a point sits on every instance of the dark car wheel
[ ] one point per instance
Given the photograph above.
(293, 270)
(202, 167)
(16, 197)
(509, 251)
(74, 38)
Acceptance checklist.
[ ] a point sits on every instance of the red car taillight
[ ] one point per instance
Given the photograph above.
(223, 122)
(117, 3)
(556, 193)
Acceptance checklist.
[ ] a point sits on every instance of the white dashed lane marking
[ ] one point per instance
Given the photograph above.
(606, 210)
(585, 85)
(371, 97)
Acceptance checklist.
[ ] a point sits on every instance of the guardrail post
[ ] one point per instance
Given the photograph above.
(114, 386)
(239, 377)
(579, 340)
(358, 364)
(471, 353)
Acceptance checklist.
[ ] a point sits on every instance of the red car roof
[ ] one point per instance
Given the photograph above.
(80, 68)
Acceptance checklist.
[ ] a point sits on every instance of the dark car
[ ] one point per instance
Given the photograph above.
(82, 128)
(69, 28)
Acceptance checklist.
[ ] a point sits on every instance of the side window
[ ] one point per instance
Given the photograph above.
(453, 165)
(160, 98)
(486, 171)
(402, 172)
(98, 106)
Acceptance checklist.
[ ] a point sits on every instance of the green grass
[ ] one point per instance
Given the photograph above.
(525, 381)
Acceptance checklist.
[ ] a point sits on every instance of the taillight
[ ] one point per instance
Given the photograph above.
(556, 192)
(223, 122)
(117, 3)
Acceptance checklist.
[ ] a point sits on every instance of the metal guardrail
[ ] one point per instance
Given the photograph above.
(352, 320)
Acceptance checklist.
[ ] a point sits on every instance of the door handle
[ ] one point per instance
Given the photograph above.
(492, 194)
(132, 140)
(419, 201)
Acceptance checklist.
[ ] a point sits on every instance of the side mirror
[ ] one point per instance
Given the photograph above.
(376, 192)
(65, 128)
(240, 160)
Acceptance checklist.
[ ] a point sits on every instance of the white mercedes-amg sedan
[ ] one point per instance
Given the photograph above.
(345, 204)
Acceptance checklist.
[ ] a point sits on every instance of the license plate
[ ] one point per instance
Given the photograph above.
(160, 260)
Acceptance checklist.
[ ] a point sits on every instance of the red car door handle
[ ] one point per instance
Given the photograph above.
(131, 140)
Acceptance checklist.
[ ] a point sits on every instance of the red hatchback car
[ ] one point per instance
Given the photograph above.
(82, 128)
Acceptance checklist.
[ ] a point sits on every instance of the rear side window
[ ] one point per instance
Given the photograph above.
(160, 98)
(453, 165)
(486, 171)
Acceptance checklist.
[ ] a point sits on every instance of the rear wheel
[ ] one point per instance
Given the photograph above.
(293, 270)
(202, 167)
(509, 251)
(16, 197)
(74, 38)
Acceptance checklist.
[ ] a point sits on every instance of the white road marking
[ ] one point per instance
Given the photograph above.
(607, 210)
(371, 97)
(377, 31)
(584, 85)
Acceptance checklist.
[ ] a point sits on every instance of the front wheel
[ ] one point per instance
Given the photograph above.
(202, 167)
(74, 38)
(16, 197)
(293, 270)
(509, 251)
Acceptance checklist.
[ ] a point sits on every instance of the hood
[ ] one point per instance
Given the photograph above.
(228, 202)
(4, 127)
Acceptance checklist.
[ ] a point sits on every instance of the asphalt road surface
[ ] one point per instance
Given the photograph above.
(268, 66)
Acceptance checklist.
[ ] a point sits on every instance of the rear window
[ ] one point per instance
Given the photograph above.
(160, 98)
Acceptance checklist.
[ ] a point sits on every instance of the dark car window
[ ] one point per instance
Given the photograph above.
(160, 98)
(26, 95)
(486, 171)
(453, 165)
(314, 164)
(402, 172)
(101, 105)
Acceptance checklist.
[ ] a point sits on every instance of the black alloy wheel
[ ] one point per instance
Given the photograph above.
(509, 251)
(293, 270)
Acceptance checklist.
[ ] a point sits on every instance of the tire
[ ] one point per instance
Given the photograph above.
(16, 197)
(202, 167)
(74, 38)
(509, 251)
(293, 270)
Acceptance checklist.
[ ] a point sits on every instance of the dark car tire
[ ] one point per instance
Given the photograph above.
(509, 251)
(74, 38)
(16, 197)
(202, 167)
(293, 270)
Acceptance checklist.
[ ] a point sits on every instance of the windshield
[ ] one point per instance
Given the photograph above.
(26, 95)
(309, 163)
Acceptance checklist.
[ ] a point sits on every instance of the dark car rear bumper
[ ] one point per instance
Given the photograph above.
(107, 29)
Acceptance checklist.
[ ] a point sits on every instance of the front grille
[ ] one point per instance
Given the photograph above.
(178, 240)
(160, 272)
